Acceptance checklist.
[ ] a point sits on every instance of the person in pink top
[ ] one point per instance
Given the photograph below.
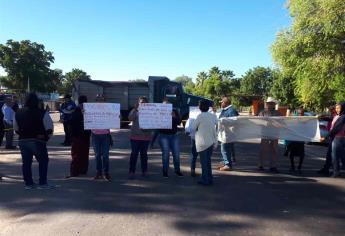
(101, 141)
(140, 140)
(337, 134)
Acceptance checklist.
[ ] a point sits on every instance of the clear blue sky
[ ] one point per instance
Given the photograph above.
(130, 39)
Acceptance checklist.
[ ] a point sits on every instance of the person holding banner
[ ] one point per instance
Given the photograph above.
(140, 140)
(337, 134)
(204, 127)
(80, 141)
(101, 141)
(269, 146)
(227, 149)
(296, 148)
(169, 141)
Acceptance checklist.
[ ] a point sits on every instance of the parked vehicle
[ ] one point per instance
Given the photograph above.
(127, 93)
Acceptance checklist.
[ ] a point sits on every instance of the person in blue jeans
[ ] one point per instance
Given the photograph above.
(227, 149)
(169, 141)
(101, 140)
(194, 153)
(34, 126)
(337, 134)
(204, 127)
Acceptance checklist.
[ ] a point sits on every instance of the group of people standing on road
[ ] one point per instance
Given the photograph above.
(34, 126)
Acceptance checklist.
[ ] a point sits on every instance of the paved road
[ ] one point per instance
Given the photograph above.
(243, 202)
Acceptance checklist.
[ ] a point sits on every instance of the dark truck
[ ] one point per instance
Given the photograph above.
(127, 93)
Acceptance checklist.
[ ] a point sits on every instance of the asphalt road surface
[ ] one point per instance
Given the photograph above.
(241, 202)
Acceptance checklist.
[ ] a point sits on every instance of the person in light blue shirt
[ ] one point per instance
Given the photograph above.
(8, 114)
(66, 110)
(227, 149)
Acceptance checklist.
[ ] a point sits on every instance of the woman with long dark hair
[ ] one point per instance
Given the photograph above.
(80, 141)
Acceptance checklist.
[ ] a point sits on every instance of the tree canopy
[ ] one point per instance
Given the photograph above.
(258, 81)
(312, 51)
(26, 60)
(187, 83)
(70, 77)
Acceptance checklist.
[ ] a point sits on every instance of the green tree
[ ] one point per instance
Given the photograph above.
(216, 83)
(187, 83)
(312, 51)
(70, 77)
(26, 60)
(283, 89)
(200, 78)
(257, 81)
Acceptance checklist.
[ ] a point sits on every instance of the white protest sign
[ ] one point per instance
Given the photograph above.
(101, 116)
(245, 128)
(155, 116)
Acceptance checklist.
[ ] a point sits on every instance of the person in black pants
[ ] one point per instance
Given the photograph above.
(66, 109)
(2, 126)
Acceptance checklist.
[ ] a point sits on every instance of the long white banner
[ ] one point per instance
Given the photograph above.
(246, 128)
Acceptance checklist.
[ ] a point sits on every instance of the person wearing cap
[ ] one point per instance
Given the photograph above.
(101, 141)
(227, 149)
(66, 110)
(269, 146)
(8, 114)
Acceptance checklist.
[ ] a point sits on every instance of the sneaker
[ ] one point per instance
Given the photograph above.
(274, 170)
(45, 186)
(165, 175)
(225, 168)
(98, 176)
(31, 186)
(107, 177)
(178, 173)
(220, 166)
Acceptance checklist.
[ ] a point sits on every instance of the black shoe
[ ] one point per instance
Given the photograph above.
(274, 170)
(193, 174)
(203, 183)
(261, 168)
(324, 172)
(10, 147)
(165, 175)
(178, 173)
